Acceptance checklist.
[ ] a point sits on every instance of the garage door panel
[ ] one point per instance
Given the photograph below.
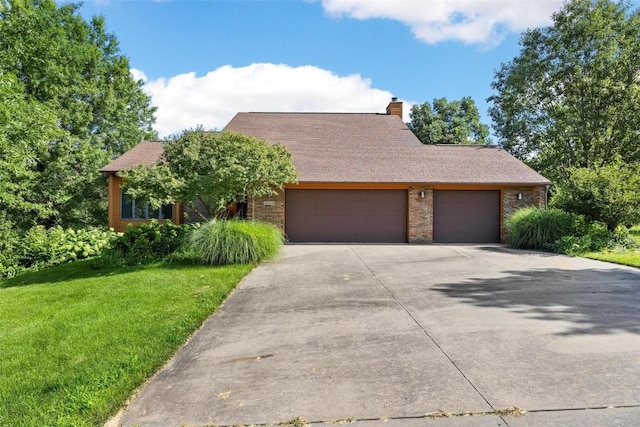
(346, 215)
(349, 208)
(465, 216)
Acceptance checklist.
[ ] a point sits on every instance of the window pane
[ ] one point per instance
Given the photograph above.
(140, 210)
(167, 212)
(153, 213)
(126, 206)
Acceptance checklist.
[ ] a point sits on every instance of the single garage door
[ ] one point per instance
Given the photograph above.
(373, 216)
(461, 216)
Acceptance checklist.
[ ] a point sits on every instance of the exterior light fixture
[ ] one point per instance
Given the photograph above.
(422, 194)
(519, 196)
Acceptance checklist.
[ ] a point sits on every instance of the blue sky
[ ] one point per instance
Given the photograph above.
(203, 61)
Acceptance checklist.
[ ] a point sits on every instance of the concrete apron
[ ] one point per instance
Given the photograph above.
(384, 335)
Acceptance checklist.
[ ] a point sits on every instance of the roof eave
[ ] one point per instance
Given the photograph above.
(429, 183)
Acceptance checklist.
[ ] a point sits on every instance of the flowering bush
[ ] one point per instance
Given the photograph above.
(39, 248)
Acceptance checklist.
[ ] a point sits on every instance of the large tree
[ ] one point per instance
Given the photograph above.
(607, 193)
(26, 129)
(571, 98)
(455, 122)
(210, 170)
(77, 108)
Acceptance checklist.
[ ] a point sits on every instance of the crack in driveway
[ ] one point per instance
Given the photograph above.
(424, 330)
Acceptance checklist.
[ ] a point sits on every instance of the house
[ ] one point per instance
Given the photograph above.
(367, 178)
(123, 209)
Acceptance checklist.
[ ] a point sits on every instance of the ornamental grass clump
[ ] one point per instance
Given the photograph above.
(537, 228)
(235, 242)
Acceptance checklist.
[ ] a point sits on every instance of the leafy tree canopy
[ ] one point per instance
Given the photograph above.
(455, 122)
(68, 105)
(603, 193)
(213, 168)
(571, 98)
(26, 127)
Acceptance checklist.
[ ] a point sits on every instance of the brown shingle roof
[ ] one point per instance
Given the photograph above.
(377, 148)
(362, 148)
(145, 153)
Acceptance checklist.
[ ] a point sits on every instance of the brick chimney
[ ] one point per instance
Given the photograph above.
(395, 108)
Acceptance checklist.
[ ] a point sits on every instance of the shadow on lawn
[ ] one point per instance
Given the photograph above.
(588, 301)
(85, 269)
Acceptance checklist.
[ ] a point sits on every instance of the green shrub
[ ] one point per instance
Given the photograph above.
(57, 245)
(9, 242)
(563, 232)
(594, 238)
(623, 239)
(537, 228)
(235, 242)
(604, 193)
(40, 248)
(589, 237)
(146, 243)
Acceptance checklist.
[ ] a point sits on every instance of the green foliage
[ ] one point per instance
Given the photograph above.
(607, 193)
(596, 238)
(624, 248)
(26, 155)
(146, 243)
(571, 98)
(623, 239)
(235, 242)
(214, 168)
(455, 122)
(538, 228)
(40, 248)
(9, 242)
(68, 105)
(593, 237)
(57, 245)
(77, 342)
(564, 232)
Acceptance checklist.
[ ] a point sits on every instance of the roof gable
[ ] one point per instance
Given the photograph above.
(146, 153)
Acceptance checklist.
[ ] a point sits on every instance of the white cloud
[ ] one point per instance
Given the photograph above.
(470, 21)
(187, 100)
(138, 75)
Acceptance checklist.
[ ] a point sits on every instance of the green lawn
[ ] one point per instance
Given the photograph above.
(631, 257)
(75, 342)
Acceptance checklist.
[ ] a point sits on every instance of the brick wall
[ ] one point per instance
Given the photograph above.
(420, 215)
(531, 196)
(420, 210)
(395, 108)
(267, 209)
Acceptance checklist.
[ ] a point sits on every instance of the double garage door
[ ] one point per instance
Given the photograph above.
(380, 216)
(371, 216)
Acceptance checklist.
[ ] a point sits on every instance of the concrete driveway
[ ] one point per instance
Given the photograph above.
(384, 335)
